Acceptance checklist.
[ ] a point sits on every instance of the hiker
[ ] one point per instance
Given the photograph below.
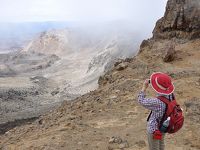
(161, 83)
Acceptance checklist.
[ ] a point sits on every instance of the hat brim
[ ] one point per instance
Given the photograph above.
(153, 77)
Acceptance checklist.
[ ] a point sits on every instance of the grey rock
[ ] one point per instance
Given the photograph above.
(114, 139)
(123, 145)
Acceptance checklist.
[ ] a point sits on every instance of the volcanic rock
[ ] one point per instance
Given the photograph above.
(170, 54)
(181, 20)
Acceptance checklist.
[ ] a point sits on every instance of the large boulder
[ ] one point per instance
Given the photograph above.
(169, 53)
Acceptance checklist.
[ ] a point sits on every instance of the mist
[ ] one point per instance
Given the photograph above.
(22, 20)
(79, 10)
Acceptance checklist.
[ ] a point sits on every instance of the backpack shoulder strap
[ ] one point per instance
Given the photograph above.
(170, 105)
(163, 99)
(149, 116)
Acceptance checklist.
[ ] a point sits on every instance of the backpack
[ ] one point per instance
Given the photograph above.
(174, 111)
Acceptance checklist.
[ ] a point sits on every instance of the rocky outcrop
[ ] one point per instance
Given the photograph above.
(51, 42)
(179, 25)
(181, 20)
(169, 54)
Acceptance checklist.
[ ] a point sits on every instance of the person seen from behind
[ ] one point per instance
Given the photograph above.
(158, 121)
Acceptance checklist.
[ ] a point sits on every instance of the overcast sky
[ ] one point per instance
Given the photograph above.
(80, 10)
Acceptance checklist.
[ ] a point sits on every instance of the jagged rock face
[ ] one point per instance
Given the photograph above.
(181, 20)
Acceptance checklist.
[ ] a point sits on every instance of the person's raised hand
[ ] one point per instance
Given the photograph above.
(145, 85)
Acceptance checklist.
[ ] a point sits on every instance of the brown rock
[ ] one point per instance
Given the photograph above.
(181, 20)
(170, 54)
(122, 66)
(144, 44)
(118, 62)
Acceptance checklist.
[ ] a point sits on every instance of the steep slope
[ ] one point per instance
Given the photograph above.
(110, 117)
(92, 120)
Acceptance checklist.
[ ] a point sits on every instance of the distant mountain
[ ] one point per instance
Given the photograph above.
(94, 38)
(85, 52)
(60, 64)
(14, 36)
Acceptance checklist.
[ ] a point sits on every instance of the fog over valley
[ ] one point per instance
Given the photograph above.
(25, 19)
(55, 50)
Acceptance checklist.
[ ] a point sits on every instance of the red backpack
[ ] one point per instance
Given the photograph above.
(174, 111)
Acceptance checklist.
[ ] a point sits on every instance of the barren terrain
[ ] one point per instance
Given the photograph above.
(110, 116)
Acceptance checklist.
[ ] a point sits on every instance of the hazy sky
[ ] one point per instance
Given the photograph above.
(80, 10)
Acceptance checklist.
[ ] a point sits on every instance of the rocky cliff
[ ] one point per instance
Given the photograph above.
(181, 20)
(180, 23)
(110, 117)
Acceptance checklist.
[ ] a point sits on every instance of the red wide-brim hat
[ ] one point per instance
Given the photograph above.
(162, 83)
